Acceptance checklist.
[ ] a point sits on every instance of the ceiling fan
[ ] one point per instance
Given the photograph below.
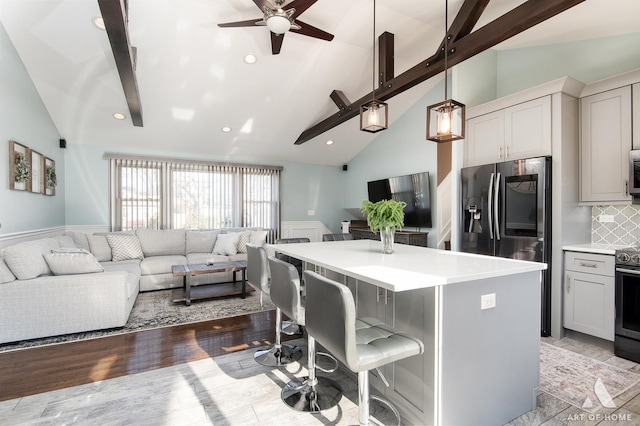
(279, 21)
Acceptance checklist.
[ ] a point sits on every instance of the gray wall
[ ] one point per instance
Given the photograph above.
(304, 187)
(24, 118)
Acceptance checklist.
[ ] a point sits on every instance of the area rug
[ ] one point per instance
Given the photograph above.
(581, 381)
(156, 309)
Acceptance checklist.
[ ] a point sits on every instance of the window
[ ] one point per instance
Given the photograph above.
(163, 194)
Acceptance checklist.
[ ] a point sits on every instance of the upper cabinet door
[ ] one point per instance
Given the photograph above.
(605, 142)
(484, 142)
(528, 129)
(517, 132)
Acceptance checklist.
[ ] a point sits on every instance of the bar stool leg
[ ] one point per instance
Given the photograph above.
(278, 354)
(363, 397)
(311, 394)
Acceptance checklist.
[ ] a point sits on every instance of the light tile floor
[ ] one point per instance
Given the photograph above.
(235, 390)
(552, 411)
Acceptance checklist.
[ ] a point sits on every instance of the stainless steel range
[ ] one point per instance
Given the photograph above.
(627, 328)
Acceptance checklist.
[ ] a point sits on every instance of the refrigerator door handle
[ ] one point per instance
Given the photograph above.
(496, 205)
(490, 205)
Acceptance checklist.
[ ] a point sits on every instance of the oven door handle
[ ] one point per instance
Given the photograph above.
(628, 271)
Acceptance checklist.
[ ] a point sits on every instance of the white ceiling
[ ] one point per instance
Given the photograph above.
(193, 81)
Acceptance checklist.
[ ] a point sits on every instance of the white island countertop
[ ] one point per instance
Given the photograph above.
(409, 268)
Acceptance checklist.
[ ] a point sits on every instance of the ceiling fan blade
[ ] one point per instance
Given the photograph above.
(248, 23)
(276, 43)
(300, 6)
(311, 31)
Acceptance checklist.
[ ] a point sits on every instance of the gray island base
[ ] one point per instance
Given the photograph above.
(478, 316)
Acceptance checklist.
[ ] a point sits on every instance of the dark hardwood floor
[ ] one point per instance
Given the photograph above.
(41, 369)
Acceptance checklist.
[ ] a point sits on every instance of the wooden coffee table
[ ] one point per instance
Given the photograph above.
(188, 293)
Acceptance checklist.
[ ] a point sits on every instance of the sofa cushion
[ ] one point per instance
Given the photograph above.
(227, 244)
(205, 257)
(79, 239)
(6, 276)
(72, 261)
(100, 247)
(236, 257)
(258, 238)
(160, 264)
(201, 241)
(162, 242)
(124, 247)
(65, 241)
(26, 259)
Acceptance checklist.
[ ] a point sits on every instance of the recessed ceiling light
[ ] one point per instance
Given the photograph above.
(99, 22)
(250, 58)
(226, 129)
(329, 142)
(119, 116)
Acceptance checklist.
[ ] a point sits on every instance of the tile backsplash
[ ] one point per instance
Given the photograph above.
(624, 230)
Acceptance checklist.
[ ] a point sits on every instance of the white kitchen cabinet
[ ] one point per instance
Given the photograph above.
(605, 142)
(589, 293)
(485, 139)
(517, 132)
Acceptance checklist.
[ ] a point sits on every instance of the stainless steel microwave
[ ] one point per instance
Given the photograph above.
(634, 172)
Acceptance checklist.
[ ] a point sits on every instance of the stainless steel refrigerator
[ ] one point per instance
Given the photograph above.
(506, 212)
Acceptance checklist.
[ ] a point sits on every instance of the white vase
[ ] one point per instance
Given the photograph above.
(386, 236)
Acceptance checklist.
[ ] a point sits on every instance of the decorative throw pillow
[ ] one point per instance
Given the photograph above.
(258, 238)
(6, 276)
(243, 240)
(227, 244)
(99, 247)
(124, 247)
(71, 262)
(26, 261)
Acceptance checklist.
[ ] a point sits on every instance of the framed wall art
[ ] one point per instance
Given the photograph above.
(19, 167)
(49, 179)
(36, 172)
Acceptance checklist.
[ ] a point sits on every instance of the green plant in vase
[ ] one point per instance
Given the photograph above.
(385, 216)
(22, 169)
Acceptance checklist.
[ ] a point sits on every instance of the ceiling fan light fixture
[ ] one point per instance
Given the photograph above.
(278, 23)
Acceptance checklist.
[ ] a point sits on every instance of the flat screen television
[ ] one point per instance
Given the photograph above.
(412, 189)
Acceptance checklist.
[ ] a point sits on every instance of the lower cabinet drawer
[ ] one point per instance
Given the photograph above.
(601, 264)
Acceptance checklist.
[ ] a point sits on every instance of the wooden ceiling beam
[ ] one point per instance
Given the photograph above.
(523, 17)
(114, 14)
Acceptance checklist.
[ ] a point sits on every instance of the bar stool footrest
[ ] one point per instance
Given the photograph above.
(301, 395)
(388, 404)
(277, 357)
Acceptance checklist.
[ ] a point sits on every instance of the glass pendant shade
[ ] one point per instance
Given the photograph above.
(445, 121)
(374, 116)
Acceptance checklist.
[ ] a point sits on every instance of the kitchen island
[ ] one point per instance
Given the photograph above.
(478, 316)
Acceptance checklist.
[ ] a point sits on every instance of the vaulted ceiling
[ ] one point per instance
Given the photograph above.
(193, 81)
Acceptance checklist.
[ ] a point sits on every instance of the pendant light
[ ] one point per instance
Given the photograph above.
(374, 115)
(445, 120)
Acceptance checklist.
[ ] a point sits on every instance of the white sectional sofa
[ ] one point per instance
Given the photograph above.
(79, 282)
